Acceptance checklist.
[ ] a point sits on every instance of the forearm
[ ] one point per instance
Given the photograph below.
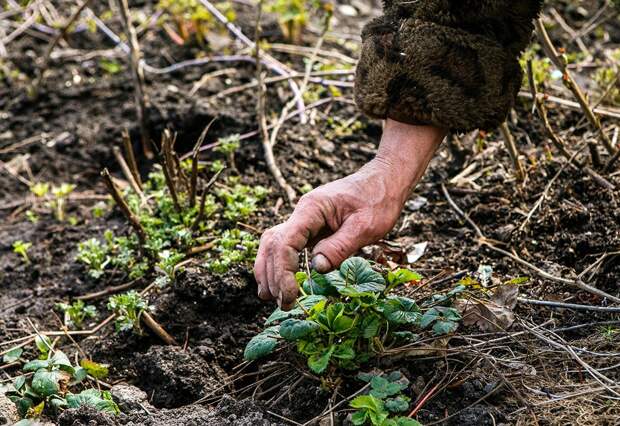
(406, 150)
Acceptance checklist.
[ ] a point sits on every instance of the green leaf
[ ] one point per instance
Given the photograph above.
(367, 402)
(23, 405)
(406, 335)
(398, 404)
(428, 317)
(406, 421)
(335, 279)
(98, 371)
(45, 383)
(402, 276)
(370, 326)
(43, 343)
(356, 270)
(36, 364)
(295, 329)
(359, 418)
(444, 327)
(12, 355)
(317, 284)
(318, 363)
(382, 387)
(19, 382)
(307, 302)
(60, 360)
(101, 401)
(345, 350)
(262, 344)
(26, 422)
(79, 375)
(449, 313)
(402, 310)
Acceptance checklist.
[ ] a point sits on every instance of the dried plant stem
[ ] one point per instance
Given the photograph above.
(168, 167)
(195, 152)
(62, 33)
(127, 172)
(156, 328)
(122, 204)
(539, 103)
(203, 198)
(571, 84)
(138, 77)
(131, 158)
(511, 147)
(262, 120)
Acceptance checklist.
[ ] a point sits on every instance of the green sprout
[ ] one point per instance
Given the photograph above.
(40, 189)
(95, 255)
(78, 312)
(58, 204)
(385, 403)
(21, 248)
(128, 308)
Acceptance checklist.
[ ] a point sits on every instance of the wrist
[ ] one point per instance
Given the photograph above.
(405, 150)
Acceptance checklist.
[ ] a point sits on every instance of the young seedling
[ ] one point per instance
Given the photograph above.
(44, 388)
(349, 316)
(95, 255)
(128, 308)
(58, 204)
(21, 248)
(228, 146)
(385, 402)
(77, 312)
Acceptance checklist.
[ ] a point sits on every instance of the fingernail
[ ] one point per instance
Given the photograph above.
(259, 290)
(280, 299)
(321, 263)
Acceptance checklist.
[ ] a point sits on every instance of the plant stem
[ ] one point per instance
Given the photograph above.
(122, 204)
(156, 328)
(195, 152)
(131, 158)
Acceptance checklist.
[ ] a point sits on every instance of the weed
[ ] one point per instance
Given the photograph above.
(78, 312)
(128, 307)
(94, 254)
(59, 196)
(350, 316)
(232, 248)
(228, 146)
(21, 248)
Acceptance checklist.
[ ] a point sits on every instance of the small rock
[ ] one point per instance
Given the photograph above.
(8, 411)
(130, 398)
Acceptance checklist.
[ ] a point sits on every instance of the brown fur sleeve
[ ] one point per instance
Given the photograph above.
(450, 63)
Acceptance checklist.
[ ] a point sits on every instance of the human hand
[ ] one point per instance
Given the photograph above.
(343, 216)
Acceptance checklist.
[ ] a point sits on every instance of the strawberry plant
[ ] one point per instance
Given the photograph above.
(384, 403)
(349, 316)
(46, 387)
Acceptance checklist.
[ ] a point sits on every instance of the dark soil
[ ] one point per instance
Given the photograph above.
(74, 125)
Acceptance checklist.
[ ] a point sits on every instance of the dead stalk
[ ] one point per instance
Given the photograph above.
(138, 76)
(195, 152)
(127, 172)
(156, 328)
(571, 84)
(203, 198)
(131, 158)
(511, 147)
(539, 103)
(168, 167)
(262, 120)
(122, 204)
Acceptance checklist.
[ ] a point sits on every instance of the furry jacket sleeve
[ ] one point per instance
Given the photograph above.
(449, 63)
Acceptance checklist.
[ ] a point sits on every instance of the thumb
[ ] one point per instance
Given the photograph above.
(329, 253)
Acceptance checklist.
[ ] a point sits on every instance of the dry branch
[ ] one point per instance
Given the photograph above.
(122, 204)
(262, 120)
(131, 158)
(195, 152)
(156, 328)
(138, 77)
(511, 147)
(571, 84)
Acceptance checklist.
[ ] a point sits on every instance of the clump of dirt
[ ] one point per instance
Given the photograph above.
(174, 377)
